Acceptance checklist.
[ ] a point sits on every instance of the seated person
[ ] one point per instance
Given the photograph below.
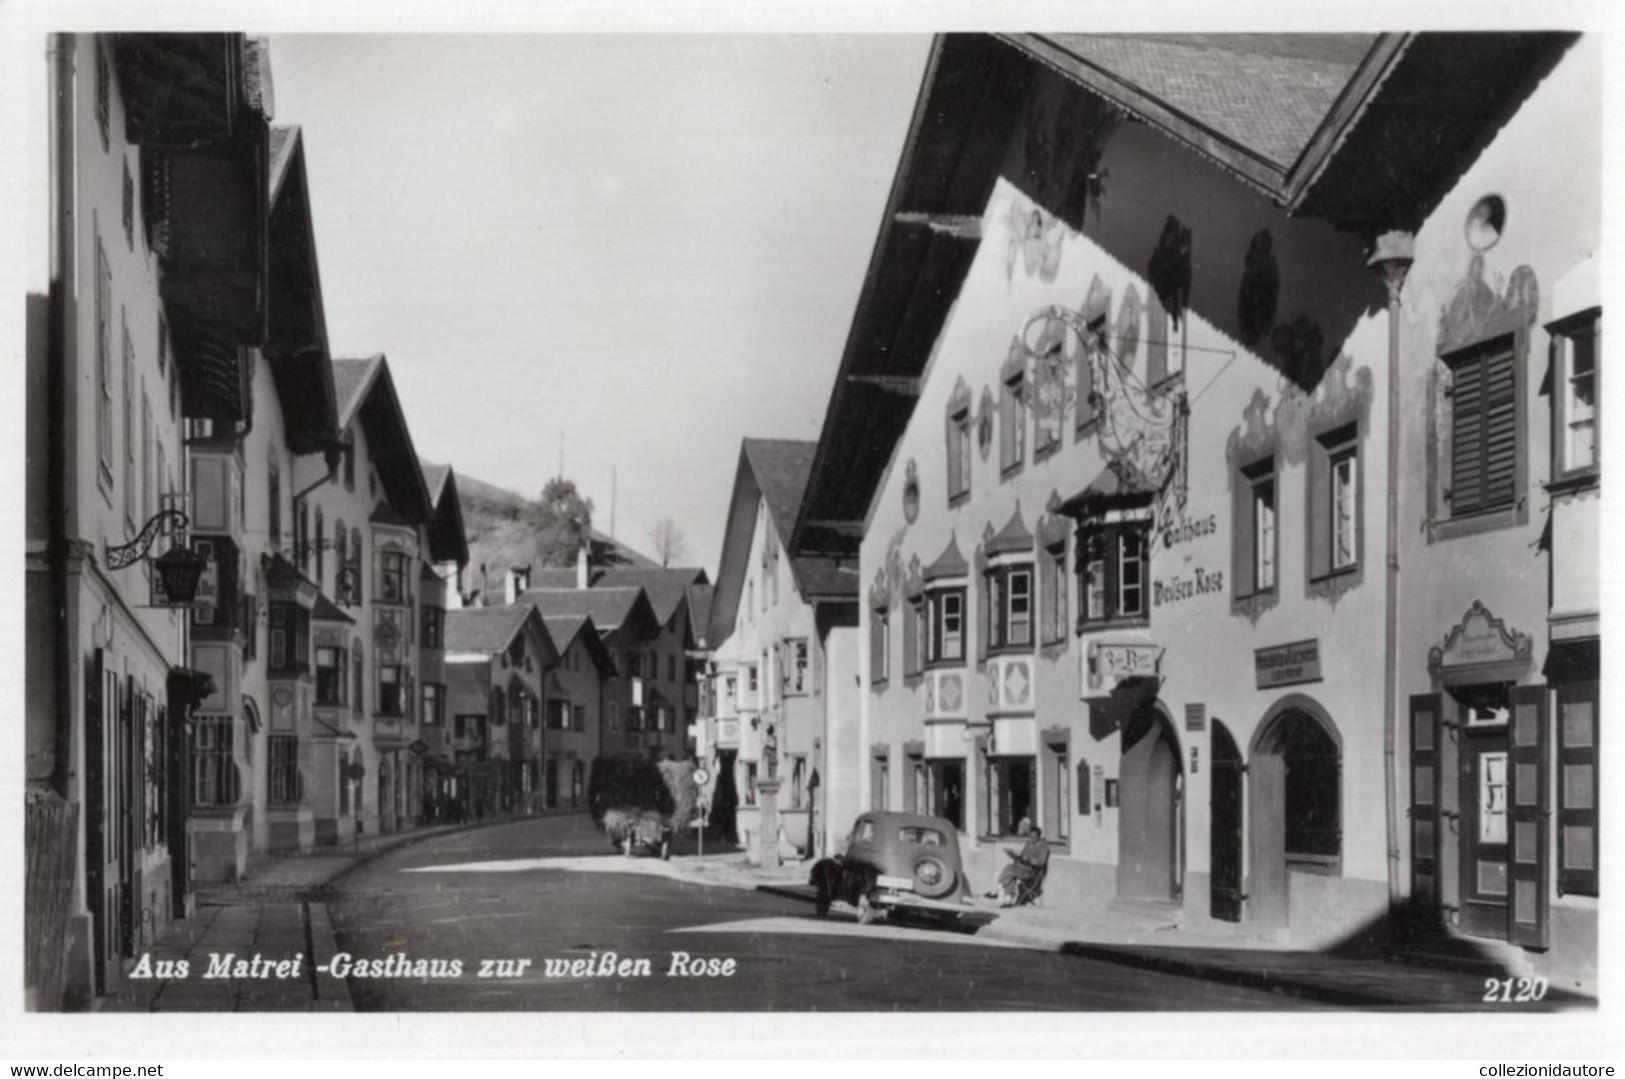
(1025, 868)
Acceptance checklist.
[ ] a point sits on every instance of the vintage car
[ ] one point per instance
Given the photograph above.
(905, 865)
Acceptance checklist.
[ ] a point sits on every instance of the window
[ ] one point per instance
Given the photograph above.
(1314, 836)
(795, 674)
(945, 614)
(1484, 433)
(391, 577)
(129, 208)
(283, 769)
(1060, 796)
(1334, 502)
(947, 782)
(390, 686)
(355, 566)
(332, 675)
(214, 774)
(290, 638)
(349, 464)
(1575, 343)
(879, 658)
(433, 704)
(1010, 600)
(358, 676)
(1084, 377)
(434, 627)
(914, 636)
(959, 453)
(129, 430)
(1165, 343)
(1577, 789)
(879, 784)
(1012, 791)
(1254, 539)
(146, 454)
(1052, 584)
(1013, 421)
(104, 93)
(1113, 564)
(578, 774)
(274, 483)
(321, 547)
(798, 782)
(558, 715)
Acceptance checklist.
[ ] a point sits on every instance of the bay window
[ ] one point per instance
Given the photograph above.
(1114, 563)
(1010, 598)
(945, 626)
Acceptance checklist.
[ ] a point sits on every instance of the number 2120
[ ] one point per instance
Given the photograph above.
(1514, 990)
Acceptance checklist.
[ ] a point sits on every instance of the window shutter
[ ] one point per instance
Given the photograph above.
(1241, 533)
(1500, 429)
(1007, 427)
(1526, 905)
(911, 638)
(951, 433)
(1156, 340)
(1466, 437)
(1577, 789)
(984, 616)
(1044, 603)
(1320, 510)
(877, 644)
(1425, 835)
(1086, 385)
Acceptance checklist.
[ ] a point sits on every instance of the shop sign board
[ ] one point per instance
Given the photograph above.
(1288, 664)
(1106, 665)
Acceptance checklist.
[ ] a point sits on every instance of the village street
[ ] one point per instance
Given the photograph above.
(450, 898)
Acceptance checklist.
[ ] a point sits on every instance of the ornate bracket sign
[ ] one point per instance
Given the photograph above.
(1480, 639)
(1107, 665)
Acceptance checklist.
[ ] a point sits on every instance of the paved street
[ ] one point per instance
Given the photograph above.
(550, 890)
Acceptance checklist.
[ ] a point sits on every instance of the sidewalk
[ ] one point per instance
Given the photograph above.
(277, 913)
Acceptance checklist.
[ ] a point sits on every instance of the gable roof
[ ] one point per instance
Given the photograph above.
(484, 629)
(771, 472)
(1366, 141)
(699, 614)
(448, 536)
(612, 610)
(780, 467)
(564, 629)
(296, 346)
(366, 393)
(667, 588)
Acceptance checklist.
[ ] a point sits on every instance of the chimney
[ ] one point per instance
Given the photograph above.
(581, 566)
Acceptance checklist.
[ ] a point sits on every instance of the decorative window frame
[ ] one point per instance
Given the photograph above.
(1563, 333)
(1510, 325)
(1113, 527)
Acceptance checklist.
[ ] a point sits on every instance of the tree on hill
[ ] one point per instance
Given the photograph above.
(667, 542)
(561, 522)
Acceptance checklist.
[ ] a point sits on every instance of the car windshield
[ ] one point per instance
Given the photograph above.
(925, 837)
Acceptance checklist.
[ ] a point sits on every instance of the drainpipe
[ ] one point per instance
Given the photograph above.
(1391, 256)
(60, 346)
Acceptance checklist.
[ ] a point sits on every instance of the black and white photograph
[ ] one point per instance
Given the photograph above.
(945, 525)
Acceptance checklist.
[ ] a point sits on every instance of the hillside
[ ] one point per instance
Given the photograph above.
(499, 535)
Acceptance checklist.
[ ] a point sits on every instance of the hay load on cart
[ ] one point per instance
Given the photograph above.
(640, 802)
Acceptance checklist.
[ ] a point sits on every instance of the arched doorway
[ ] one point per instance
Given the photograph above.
(1296, 788)
(1225, 824)
(1150, 819)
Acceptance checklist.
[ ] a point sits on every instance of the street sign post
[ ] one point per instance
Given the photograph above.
(701, 778)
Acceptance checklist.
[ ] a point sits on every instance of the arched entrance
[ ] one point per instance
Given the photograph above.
(1150, 819)
(1295, 784)
(1225, 823)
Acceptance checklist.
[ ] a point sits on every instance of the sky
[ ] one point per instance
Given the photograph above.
(646, 246)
